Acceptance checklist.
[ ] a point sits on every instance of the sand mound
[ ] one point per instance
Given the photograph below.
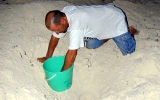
(100, 74)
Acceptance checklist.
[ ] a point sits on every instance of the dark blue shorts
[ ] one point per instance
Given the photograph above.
(125, 42)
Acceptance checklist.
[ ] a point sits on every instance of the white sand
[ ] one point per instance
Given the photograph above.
(101, 74)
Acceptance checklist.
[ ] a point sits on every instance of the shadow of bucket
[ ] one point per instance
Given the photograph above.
(57, 80)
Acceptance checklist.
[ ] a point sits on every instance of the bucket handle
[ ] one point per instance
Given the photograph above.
(51, 77)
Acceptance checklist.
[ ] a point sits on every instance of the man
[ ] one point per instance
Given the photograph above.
(93, 25)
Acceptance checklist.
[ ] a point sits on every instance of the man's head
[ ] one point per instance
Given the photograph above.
(56, 21)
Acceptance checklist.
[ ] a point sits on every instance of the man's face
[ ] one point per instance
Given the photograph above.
(61, 28)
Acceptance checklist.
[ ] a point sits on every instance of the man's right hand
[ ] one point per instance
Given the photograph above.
(43, 59)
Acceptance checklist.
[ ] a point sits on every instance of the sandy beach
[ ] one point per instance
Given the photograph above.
(99, 74)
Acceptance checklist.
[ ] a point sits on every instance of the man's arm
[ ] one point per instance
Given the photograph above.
(51, 47)
(70, 58)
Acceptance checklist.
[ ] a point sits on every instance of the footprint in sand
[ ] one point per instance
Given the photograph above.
(38, 38)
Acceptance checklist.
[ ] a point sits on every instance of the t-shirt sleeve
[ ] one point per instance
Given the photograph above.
(60, 35)
(76, 39)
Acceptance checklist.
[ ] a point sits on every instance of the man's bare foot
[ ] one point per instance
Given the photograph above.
(133, 31)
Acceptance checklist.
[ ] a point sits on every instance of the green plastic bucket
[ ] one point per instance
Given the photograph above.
(57, 80)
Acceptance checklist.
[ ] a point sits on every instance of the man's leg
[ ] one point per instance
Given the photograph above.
(126, 43)
(93, 43)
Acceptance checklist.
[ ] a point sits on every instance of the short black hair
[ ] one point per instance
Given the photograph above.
(57, 15)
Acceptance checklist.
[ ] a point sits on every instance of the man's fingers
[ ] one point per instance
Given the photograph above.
(40, 59)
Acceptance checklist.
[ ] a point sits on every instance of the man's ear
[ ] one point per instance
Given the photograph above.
(63, 20)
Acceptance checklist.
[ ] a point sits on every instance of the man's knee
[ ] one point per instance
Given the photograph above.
(126, 43)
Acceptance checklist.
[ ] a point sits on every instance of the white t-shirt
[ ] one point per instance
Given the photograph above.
(97, 21)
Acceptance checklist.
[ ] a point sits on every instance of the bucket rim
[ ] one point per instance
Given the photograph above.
(57, 71)
(61, 71)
